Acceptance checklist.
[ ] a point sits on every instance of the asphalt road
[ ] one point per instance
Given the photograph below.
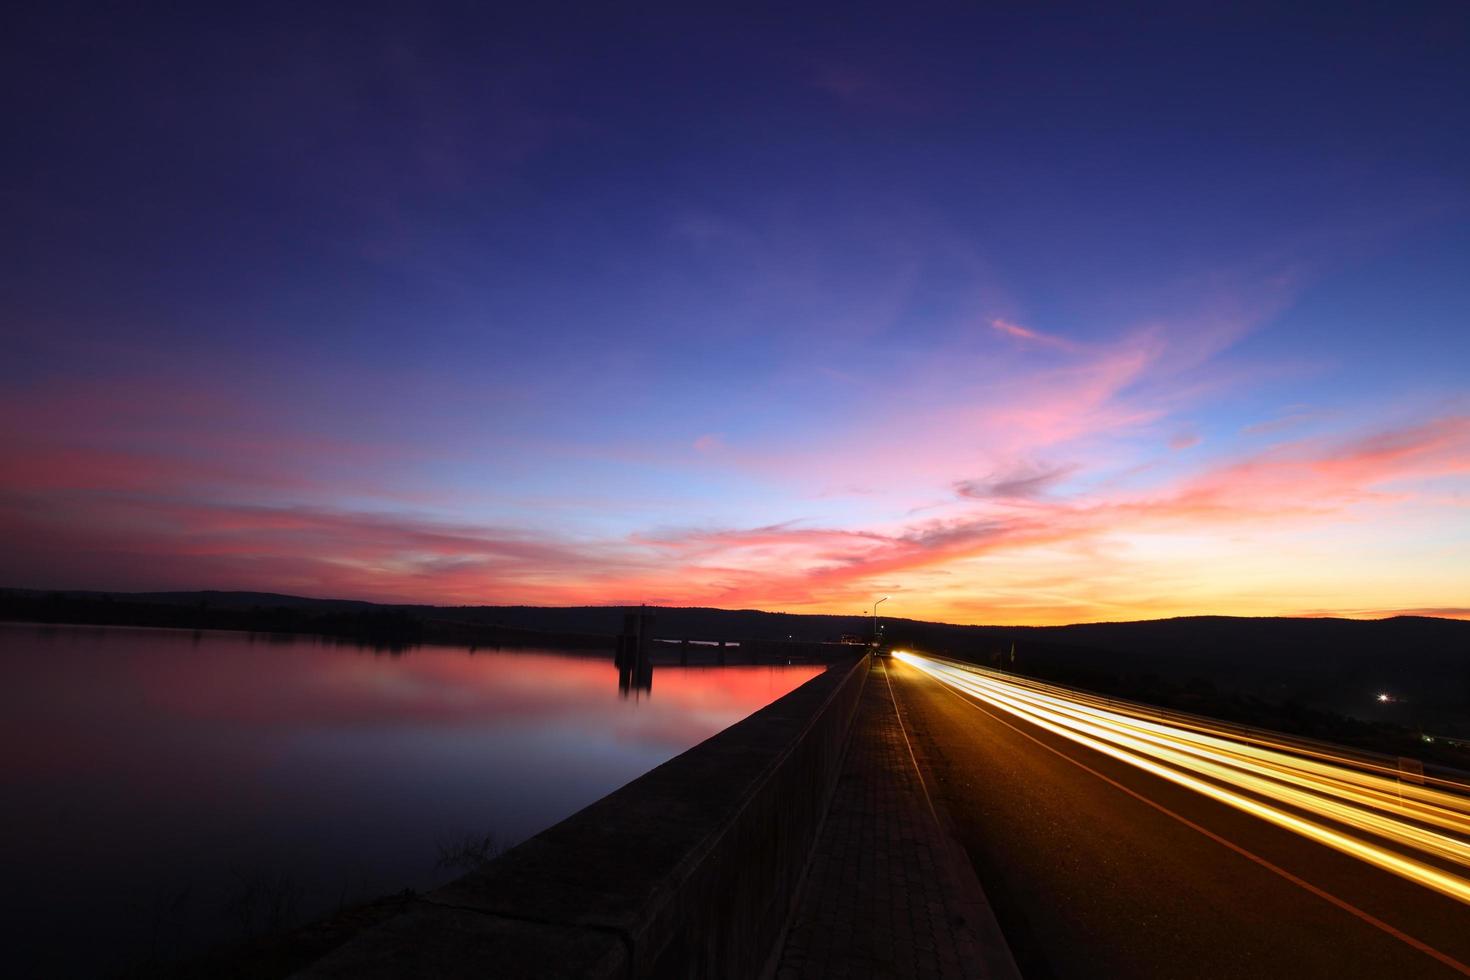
(1090, 880)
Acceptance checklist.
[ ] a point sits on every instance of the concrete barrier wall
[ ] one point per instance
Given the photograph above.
(688, 871)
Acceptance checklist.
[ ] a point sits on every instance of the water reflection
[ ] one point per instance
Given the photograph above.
(635, 679)
(163, 789)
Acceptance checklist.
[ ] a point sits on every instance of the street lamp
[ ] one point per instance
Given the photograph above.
(875, 618)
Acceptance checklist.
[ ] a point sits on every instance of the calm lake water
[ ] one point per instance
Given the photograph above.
(162, 790)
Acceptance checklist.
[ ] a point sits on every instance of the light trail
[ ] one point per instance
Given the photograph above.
(1344, 803)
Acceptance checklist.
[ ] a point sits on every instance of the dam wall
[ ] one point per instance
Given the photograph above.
(690, 870)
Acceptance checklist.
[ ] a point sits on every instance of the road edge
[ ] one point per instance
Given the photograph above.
(997, 960)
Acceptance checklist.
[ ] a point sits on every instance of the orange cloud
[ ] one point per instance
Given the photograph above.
(154, 543)
(942, 501)
(1290, 485)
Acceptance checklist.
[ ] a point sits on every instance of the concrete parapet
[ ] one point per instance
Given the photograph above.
(688, 871)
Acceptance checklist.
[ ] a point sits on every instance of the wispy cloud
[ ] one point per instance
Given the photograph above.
(1031, 337)
(1037, 488)
(1304, 482)
(1025, 481)
(1290, 419)
(1437, 612)
(157, 543)
(1184, 439)
(709, 442)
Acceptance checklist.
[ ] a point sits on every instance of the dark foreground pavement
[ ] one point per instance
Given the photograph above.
(888, 892)
(1088, 880)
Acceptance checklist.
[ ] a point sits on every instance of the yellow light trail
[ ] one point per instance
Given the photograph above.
(1369, 814)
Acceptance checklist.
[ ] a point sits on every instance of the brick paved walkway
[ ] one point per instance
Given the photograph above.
(883, 895)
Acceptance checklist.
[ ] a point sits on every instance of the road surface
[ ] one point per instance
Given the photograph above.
(1099, 866)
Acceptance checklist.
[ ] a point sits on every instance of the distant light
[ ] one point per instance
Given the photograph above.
(1384, 699)
(1339, 801)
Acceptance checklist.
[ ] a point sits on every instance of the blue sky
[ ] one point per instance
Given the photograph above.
(762, 307)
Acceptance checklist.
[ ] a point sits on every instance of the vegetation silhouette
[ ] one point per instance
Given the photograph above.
(1313, 677)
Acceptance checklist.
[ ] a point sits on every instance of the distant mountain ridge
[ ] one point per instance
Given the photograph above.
(1335, 663)
(768, 623)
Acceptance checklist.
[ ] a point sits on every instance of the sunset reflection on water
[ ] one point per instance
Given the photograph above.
(140, 766)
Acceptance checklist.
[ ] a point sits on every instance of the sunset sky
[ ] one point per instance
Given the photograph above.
(1015, 313)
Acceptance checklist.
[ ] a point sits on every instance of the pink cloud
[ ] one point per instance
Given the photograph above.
(1184, 439)
(1308, 480)
(1028, 336)
(1322, 476)
(150, 543)
(709, 442)
(119, 486)
(1287, 420)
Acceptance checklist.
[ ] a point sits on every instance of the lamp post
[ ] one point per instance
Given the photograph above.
(875, 618)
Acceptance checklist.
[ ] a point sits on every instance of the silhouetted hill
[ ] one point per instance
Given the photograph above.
(1340, 664)
(1196, 661)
